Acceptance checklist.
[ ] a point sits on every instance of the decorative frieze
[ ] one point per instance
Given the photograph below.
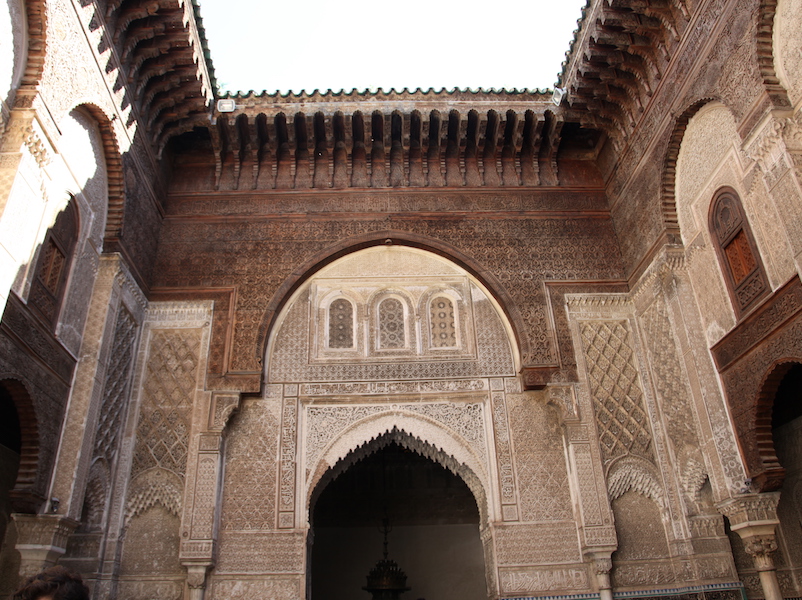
(393, 387)
(532, 579)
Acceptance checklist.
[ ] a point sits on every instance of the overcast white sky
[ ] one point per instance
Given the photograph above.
(344, 44)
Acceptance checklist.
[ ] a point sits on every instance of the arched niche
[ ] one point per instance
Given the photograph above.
(82, 179)
(297, 350)
(777, 416)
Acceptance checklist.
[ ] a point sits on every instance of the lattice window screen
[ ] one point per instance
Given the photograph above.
(341, 324)
(391, 324)
(444, 330)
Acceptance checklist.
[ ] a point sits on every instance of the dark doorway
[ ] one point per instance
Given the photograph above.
(10, 446)
(434, 534)
(786, 425)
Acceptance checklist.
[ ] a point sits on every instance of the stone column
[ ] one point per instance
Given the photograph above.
(754, 518)
(602, 565)
(196, 581)
(761, 548)
(41, 540)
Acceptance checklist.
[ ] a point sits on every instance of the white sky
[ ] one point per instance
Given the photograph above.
(344, 44)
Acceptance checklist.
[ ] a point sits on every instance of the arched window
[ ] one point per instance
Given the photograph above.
(50, 278)
(740, 261)
(443, 323)
(341, 324)
(391, 324)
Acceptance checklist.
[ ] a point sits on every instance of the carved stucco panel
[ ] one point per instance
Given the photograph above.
(557, 542)
(618, 399)
(71, 76)
(249, 486)
(169, 364)
(264, 588)
(261, 552)
(541, 472)
(506, 472)
(205, 497)
(327, 423)
(589, 490)
(168, 394)
(287, 462)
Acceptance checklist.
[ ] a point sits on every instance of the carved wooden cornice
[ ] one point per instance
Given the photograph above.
(389, 140)
(159, 51)
(619, 57)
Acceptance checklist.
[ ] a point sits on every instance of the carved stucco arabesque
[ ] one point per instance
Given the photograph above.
(774, 150)
(638, 344)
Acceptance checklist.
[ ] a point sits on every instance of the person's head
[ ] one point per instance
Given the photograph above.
(54, 583)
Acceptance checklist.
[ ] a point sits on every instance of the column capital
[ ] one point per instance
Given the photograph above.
(196, 579)
(753, 517)
(196, 575)
(754, 514)
(602, 565)
(41, 540)
(760, 548)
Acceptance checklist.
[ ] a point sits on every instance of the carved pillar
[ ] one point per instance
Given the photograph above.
(114, 290)
(754, 517)
(598, 535)
(199, 521)
(41, 540)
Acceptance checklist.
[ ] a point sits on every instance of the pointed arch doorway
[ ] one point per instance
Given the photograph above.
(433, 519)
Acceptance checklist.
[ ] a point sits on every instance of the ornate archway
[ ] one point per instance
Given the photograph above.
(421, 502)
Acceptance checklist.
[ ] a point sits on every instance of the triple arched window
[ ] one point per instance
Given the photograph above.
(393, 323)
(740, 261)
